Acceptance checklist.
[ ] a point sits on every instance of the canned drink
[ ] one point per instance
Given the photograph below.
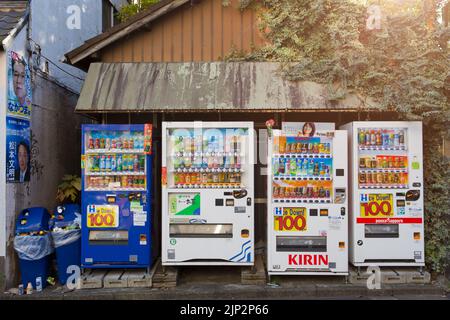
(373, 163)
(204, 179)
(368, 162)
(91, 143)
(299, 148)
(404, 178)
(97, 143)
(361, 137)
(391, 162)
(386, 178)
(362, 178)
(288, 148)
(369, 178)
(38, 284)
(275, 191)
(304, 147)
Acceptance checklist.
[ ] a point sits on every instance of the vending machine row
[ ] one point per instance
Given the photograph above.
(333, 196)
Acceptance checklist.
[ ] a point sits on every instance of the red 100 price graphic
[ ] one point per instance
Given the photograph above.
(289, 223)
(99, 220)
(375, 208)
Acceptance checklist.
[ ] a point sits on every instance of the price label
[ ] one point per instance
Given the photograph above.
(377, 205)
(103, 216)
(292, 219)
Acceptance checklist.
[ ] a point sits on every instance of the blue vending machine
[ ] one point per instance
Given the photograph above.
(116, 196)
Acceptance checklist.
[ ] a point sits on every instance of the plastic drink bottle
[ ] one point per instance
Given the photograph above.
(113, 163)
(102, 163)
(293, 167)
(275, 166)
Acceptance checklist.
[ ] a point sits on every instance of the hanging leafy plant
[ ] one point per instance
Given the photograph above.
(69, 189)
(126, 12)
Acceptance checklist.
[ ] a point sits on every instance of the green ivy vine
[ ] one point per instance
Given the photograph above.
(404, 66)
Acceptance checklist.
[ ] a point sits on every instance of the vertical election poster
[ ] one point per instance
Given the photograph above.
(18, 118)
(18, 150)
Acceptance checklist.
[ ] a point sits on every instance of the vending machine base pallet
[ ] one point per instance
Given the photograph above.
(117, 278)
(165, 276)
(255, 275)
(391, 276)
(93, 279)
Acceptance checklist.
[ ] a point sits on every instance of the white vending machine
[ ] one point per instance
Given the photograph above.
(307, 202)
(386, 188)
(208, 193)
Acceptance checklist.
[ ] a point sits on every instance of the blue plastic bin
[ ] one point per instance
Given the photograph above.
(67, 242)
(33, 245)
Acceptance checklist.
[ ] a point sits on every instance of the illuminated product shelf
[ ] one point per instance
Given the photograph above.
(208, 186)
(113, 151)
(381, 186)
(309, 178)
(115, 189)
(382, 148)
(198, 170)
(306, 200)
(125, 173)
(207, 154)
(391, 170)
(303, 155)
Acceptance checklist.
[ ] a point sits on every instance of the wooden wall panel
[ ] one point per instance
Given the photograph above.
(217, 30)
(206, 31)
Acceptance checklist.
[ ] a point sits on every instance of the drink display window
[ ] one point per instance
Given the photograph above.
(115, 161)
(383, 158)
(207, 158)
(302, 169)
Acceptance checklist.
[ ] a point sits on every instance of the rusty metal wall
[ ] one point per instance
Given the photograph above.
(206, 31)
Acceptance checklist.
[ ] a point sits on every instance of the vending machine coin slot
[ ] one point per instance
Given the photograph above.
(111, 198)
(342, 211)
(245, 233)
(412, 195)
(239, 194)
(249, 202)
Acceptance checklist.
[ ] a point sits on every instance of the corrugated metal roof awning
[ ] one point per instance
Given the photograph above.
(216, 86)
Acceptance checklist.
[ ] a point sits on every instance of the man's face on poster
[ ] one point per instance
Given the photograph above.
(19, 82)
(23, 158)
